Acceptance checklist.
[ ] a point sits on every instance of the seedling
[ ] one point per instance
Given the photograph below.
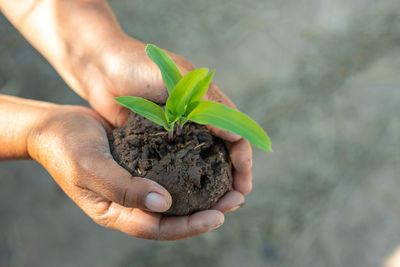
(185, 103)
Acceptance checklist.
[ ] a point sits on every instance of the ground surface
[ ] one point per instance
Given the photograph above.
(321, 76)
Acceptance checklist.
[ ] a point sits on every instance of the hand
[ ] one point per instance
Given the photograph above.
(124, 69)
(85, 44)
(71, 143)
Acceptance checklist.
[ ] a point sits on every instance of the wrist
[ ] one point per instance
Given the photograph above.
(69, 34)
(86, 33)
(22, 118)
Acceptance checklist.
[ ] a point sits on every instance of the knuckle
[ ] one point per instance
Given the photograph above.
(102, 215)
(160, 233)
(161, 236)
(123, 196)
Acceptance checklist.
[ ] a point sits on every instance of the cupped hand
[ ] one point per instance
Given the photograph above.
(122, 68)
(71, 143)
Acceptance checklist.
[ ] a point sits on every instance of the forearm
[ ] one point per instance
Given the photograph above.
(69, 33)
(19, 121)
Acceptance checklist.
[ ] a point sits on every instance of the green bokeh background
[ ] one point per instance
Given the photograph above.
(321, 76)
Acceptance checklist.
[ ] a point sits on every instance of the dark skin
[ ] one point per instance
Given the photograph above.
(100, 62)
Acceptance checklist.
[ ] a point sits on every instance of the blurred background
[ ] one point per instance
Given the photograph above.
(321, 76)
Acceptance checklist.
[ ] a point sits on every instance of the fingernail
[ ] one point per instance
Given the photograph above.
(245, 165)
(234, 136)
(155, 202)
(218, 224)
(235, 208)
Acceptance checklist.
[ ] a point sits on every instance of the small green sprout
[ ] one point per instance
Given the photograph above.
(185, 103)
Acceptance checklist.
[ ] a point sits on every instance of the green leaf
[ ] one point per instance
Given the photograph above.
(177, 100)
(229, 119)
(198, 92)
(144, 107)
(190, 107)
(169, 70)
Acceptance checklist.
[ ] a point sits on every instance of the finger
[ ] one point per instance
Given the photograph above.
(178, 227)
(95, 169)
(105, 177)
(103, 101)
(215, 94)
(139, 223)
(241, 155)
(107, 126)
(242, 181)
(226, 135)
(230, 202)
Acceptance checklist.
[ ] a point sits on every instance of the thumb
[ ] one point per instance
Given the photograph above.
(105, 177)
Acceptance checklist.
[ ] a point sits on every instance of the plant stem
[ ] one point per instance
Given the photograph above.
(170, 136)
(178, 130)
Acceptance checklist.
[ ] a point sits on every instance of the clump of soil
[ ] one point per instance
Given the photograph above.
(195, 168)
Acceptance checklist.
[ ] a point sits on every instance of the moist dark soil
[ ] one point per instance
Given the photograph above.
(195, 167)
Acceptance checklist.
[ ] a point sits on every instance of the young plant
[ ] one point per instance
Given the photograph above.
(185, 103)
